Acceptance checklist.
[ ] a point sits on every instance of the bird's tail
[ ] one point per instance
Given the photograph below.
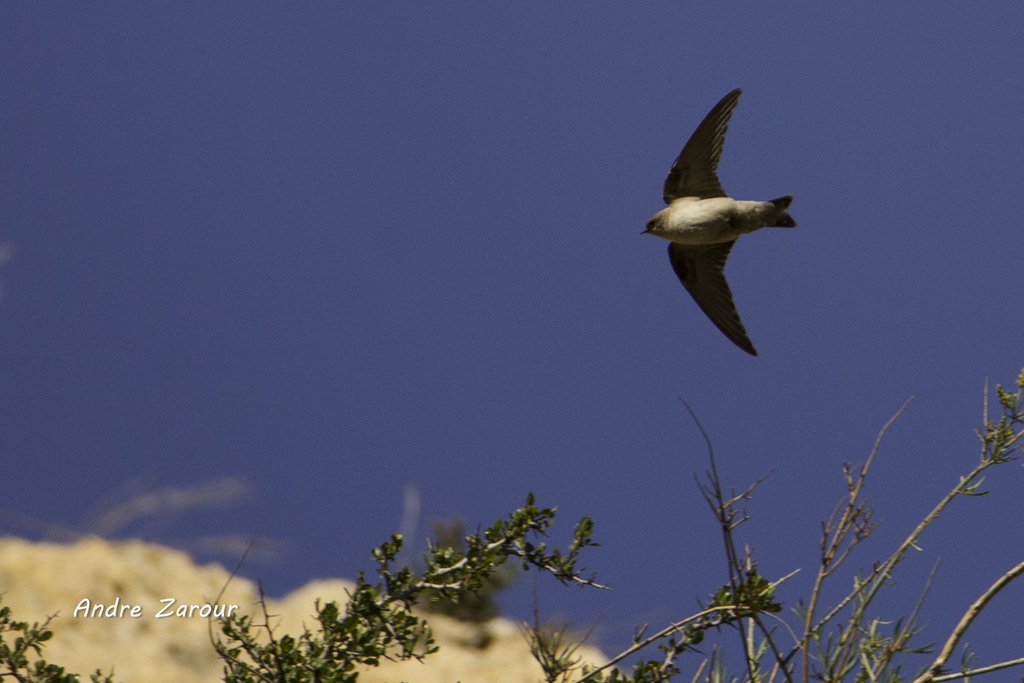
(780, 218)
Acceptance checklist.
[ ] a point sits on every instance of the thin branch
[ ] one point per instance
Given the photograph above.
(965, 622)
(723, 511)
(982, 670)
(700, 670)
(876, 580)
(756, 618)
(833, 547)
(489, 548)
(904, 634)
(231, 576)
(677, 627)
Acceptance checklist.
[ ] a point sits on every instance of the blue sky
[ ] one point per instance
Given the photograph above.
(335, 250)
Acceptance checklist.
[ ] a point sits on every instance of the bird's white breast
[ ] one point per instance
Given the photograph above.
(700, 221)
(689, 220)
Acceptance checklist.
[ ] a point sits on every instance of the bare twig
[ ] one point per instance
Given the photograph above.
(700, 670)
(853, 512)
(726, 514)
(231, 576)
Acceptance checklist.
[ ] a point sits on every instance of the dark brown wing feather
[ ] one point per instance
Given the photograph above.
(701, 269)
(694, 173)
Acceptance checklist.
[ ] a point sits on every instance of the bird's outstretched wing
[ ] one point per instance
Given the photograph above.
(701, 269)
(694, 172)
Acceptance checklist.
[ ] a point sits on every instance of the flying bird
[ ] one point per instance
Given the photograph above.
(702, 222)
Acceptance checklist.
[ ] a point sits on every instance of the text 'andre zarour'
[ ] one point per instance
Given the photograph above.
(85, 608)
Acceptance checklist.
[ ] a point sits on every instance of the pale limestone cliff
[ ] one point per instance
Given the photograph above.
(40, 579)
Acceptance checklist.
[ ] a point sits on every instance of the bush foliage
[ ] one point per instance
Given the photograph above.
(832, 644)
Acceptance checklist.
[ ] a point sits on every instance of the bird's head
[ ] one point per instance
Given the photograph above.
(654, 224)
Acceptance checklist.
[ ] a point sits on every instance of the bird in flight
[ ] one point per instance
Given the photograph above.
(702, 222)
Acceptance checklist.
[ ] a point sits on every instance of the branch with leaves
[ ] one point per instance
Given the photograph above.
(377, 622)
(858, 649)
(14, 661)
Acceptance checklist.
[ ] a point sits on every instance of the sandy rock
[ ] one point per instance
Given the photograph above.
(40, 579)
